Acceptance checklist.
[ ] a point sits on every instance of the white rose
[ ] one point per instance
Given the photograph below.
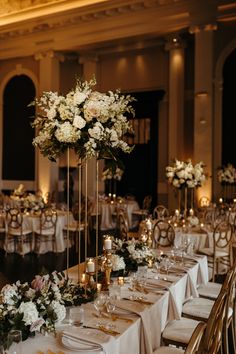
(79, 122)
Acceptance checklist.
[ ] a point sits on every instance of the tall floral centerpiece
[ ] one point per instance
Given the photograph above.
(91, 123)
(227, 178)
(185, 177)
(110, 175)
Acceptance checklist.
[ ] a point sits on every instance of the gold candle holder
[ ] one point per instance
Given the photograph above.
(90, 271)
(107, 267)
(149, 239)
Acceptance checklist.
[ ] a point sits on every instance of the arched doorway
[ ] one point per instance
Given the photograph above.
(229, 110)
(18, 160)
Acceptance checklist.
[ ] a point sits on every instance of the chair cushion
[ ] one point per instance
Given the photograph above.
(17, 232)
(210, 290)
(221, 254)
(198, 307)
(180, 330)
(45, 232)
(168, 350)
(206, 251)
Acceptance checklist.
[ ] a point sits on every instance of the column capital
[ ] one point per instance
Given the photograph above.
(199, 28)
(174, 42)
(49, 54)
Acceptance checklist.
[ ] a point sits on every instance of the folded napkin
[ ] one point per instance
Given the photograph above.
(82, 340)
(140, 310)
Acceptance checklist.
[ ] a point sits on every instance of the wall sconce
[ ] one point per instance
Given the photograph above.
(201, 94)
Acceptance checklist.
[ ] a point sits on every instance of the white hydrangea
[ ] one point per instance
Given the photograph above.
(66, 133)
(30, 312)
(117, 262)
(8, 293)
(97, 131)
(59, 310)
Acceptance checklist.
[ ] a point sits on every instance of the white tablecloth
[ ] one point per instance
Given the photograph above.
(144, 334)
(108, 212)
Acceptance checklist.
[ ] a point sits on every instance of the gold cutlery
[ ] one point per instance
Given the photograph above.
(139, 300)
(103, 329)
(114, 317)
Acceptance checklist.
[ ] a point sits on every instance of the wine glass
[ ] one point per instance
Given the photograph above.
(167, 264)
(157, 269)
(99, 302)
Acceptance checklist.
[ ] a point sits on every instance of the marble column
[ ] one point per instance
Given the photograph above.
(47, 172)
(176, 104)
(203, 108)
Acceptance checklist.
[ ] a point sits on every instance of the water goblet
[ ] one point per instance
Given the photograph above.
(76, 316)
(14, 340)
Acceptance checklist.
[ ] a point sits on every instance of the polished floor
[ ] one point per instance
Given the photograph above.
(14, 267)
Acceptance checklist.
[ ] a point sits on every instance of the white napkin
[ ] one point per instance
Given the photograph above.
(83, 339)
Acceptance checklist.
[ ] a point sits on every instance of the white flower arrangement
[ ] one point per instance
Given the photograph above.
(38, 306)
(185, 174)
(109, 174)
(33, 202)
(90, 122)
(227, 174)
(133, 252)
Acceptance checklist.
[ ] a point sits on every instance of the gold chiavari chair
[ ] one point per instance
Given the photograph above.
(15, 231)
(201, 309)
(160, 212)
(163, 234)
(47, 229)
(192, 347)
(179, 332)
(123, 227)
(221, 253)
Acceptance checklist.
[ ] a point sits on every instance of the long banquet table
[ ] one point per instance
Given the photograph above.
(143, 335)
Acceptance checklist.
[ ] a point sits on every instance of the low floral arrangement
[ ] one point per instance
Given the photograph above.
(184, 174)
(193, 220)
(33, 202)
(134, 253)
(227, 174)
(39, 306)
(90, 122)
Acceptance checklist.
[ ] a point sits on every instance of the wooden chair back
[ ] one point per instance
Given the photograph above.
(14, 220)
(163, 234)
(212, 338)
(48, 221)
(160, 212)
